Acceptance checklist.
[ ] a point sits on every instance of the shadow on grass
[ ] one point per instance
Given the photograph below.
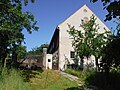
(28, 74)
(76, 88)
(99, 79)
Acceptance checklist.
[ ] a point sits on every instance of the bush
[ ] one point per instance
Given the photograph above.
(100, 80)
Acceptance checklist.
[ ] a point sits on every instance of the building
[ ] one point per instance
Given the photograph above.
(61, 43)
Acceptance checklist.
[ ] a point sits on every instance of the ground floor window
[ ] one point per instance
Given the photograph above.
(72, 54)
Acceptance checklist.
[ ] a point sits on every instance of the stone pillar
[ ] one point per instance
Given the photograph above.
(44, 56)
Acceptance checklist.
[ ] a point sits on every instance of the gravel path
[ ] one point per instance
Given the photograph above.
(76, 79)
(72, 78)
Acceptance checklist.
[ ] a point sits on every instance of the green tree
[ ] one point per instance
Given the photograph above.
(112, 6)
(38, 50)
(111, 52)
(21, 52)
(88, 41)
(12, 23)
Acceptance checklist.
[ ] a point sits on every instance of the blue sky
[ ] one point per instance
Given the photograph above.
(50, 13)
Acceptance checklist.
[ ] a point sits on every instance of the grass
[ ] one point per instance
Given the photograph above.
(11, 80)
(34, 80)
(50, 80)
(74, 72)
(98, 79)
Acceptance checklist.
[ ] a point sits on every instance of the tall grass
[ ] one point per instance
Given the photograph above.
(33, 80)
(11, 80)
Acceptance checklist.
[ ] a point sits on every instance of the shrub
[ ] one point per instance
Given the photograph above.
(100, 80)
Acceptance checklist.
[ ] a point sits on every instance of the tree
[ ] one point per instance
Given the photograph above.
(111, 52)
(88, 41)
(112, 6)
(21, 52)
(38, 50)
(12, 23)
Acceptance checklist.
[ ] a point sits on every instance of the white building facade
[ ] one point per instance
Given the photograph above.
(61, 43)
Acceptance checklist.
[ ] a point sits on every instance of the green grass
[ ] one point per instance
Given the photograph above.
(34, 80)
(98, 79)
(50, 80)
(74, 72)
(11, 80)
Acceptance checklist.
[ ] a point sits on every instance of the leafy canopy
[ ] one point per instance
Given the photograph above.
(12, 22)
(113, 8)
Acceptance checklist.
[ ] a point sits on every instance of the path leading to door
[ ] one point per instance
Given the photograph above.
(77, 80)
(72, 78)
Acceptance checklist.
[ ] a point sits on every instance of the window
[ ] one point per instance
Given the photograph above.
(86, 20)
(82, 21)
(85, 10)
(49, 60)
(71, 37)
(72, 54)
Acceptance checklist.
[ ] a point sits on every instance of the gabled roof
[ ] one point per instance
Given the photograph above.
(79, 12)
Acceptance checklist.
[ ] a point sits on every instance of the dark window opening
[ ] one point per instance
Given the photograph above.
(72, 54)
(49, 60)
(82, 21)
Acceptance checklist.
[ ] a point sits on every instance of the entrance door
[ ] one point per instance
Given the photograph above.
(55, 65)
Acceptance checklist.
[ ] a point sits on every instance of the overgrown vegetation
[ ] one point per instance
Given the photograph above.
(100, 80)
(12, 80)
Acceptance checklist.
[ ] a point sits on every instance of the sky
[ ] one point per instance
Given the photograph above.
(50, 13)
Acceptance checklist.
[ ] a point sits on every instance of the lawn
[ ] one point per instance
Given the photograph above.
(34, 80)
(12, 79)
(47, 80)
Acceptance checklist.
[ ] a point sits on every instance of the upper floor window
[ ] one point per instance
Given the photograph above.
(82, 21)
(85, 10)
(85, 20)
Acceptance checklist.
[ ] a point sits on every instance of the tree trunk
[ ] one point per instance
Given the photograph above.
(107, 70)
(14, 58)
(3, 59)
(97, 65)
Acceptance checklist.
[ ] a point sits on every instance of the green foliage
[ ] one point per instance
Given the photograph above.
(37, 50)
(111, 52)
(12, 23)
(112, 6)
(100, 80)
(21, 52)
